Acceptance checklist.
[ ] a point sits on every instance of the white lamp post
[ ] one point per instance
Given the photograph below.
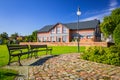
(78, 39)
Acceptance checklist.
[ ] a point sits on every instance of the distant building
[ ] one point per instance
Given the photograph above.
(89, 31)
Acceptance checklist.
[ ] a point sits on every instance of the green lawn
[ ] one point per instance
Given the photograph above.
(57, 50)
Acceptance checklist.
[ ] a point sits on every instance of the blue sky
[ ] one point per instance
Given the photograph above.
(26, 16)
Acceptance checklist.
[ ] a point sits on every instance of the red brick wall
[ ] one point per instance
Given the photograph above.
(104, 44)
(84, 31)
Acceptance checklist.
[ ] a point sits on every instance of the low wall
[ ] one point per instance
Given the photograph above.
(104, 44)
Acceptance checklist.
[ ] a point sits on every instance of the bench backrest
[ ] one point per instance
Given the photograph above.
(16, 47)
(38, 46)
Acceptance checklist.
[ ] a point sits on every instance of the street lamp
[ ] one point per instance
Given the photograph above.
(78, 37)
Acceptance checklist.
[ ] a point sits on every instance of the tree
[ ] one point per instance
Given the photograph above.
(108, 26)
(14, 36)
(116, 35)
(28, 38)
(110, 22)
(34, 35)
(4, 38)
(116, 12)
(4, 35)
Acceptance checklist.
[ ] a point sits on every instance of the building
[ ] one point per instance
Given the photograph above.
(89, 31)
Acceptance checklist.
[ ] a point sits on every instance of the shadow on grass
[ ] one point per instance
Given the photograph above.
(42, 61)
(7, 74)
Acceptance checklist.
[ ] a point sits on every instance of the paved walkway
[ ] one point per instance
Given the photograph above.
(69, 67)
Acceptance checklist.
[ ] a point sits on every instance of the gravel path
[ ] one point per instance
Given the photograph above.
(67, 67)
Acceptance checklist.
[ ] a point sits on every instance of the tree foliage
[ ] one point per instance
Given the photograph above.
(3, 38)
(116, 35)
(31, 38)
(110, 22)
(4, 35)
(34, 35)
(116, 12)
(14, 36)
(108, 26)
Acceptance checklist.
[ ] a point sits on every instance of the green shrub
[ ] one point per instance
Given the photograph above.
(116, 35)
(109, 55)
(113, 55)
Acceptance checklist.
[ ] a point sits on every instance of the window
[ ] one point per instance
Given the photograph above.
(64, 38)
(64, 30)
(89, 36)
(82, 36)
(44, 38)
(58, 29)
(39, 39)
(58, 39)
(52, 38)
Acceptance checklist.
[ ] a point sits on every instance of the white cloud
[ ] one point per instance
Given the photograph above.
(113, 3)
(101, 14)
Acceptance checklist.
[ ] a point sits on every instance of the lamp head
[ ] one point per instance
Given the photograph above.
(78, 12)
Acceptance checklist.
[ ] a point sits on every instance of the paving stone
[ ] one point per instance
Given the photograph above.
(72, 77)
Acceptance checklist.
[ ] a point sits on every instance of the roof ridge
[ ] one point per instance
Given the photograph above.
(81, 21)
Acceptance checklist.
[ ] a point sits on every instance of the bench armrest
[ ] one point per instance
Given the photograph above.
(49, 47)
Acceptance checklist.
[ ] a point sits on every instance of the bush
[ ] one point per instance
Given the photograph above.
(109, 55)
(116, 35)
(113, 55)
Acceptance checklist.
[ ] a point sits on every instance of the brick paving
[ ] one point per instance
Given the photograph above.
(66, 67)
(71, 67)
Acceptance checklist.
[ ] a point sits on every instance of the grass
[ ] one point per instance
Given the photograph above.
(57, 50)
(7, 74)
(66, 49)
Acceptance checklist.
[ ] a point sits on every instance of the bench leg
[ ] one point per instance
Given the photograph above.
(29, 55)
(36, 54)
(51, 52)
(19, 61)
(9, 60)
(46, 52)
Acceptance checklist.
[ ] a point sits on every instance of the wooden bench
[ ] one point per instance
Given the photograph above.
(17, 51)
(37, 48)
